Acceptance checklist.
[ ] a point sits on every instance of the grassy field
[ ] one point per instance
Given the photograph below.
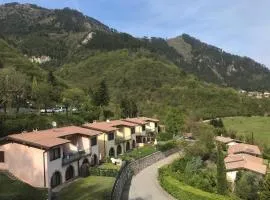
(260, 126)
(15, 189)
(90, 188)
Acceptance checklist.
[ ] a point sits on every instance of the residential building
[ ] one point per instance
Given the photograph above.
(244, 148)
(236, 162)
(117, 137)
(226, 140)
(50, 157)
(243, 157)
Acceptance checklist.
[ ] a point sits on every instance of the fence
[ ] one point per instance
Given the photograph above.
(133, 168)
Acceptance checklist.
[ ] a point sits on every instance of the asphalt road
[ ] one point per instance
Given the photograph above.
(145, 185)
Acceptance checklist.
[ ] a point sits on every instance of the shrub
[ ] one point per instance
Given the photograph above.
(167, 146)
(164, 136)
(182, 191)
(95, 171)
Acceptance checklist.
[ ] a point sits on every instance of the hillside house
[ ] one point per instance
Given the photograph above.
(50, 157)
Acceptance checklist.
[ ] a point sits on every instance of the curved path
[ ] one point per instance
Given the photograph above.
(145, 185)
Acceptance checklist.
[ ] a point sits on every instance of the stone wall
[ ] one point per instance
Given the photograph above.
(133, 168)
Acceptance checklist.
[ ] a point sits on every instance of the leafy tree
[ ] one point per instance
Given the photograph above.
(13, 86)
(222, 185)
(128, 108)
(41, 94)
(247, 186)
(265, 189)
(174, 121)
(73, 97)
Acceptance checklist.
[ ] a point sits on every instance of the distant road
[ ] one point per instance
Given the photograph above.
(145, 185)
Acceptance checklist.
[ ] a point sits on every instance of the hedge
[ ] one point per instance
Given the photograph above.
(95, 171)
(182, 191)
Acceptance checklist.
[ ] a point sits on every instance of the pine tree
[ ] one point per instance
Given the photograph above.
(265, 191)
(221, 173)
(101, 96)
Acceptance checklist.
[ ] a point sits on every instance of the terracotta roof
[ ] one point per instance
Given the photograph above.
(136, 120)
(149, 119)
(101, 126)
(224, 140)
(51, 137)
(245, 161)
(109, 126)
(121, 123)
(244, 148)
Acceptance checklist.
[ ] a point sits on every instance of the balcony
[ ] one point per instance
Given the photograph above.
(119, 139)
(73, 156)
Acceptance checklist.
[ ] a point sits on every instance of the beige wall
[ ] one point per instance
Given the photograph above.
(139, 131)
(25, 162)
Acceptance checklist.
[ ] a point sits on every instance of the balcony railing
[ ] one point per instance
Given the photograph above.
(119, 139)
(71, 157)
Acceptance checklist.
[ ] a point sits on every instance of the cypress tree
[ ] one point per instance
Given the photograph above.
(221, 172)
(265, 191)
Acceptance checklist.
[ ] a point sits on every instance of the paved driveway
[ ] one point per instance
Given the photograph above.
(145, 186)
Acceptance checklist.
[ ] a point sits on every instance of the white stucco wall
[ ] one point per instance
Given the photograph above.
(231, 176)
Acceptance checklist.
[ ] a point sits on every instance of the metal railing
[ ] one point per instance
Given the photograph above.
(71, 157)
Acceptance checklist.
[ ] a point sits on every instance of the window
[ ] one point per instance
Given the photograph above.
(111, 136)
(55, 154)
(93, 141)
(2, 156)
(156, 125)
(143, 127)
(132, 130)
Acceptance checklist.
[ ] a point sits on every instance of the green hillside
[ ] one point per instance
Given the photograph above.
(11, 57)
(156, 85)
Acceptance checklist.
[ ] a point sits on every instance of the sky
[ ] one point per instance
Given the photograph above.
(240, 27)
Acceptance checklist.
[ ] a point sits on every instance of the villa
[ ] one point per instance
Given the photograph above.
(50, 157)
(117, 137)
(243, 157)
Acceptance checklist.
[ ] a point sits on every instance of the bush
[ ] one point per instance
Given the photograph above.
(182, 191)
(167, 146)
(164, 136)
(95, 171)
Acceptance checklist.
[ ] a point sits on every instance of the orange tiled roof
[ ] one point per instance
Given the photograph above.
(224, 140)
(149, 119)
(101, 126)
(109, 126)
(245, 161)
(51, 137)
(136, 120)
(244, 148)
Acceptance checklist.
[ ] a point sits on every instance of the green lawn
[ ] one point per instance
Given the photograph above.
(260, 126)
(89, 188)
(139, 152)
(15, 189)
(109, 166)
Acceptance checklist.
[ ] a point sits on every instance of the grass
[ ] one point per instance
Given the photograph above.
(260, 126)
(89, 188)
(15, 189)
(139, 152)
(109, 166)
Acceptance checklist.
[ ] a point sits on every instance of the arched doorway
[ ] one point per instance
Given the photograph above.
(119, 149)
(111, 152)
(94, 160)
(127, 146)
(56, 179)
(85, 161)
(133, 144)
(69, 173)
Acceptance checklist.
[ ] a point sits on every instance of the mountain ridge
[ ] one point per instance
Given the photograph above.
(59, 34)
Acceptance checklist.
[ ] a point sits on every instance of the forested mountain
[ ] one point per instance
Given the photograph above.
(66, 35)
(215, 65)
(151, 72)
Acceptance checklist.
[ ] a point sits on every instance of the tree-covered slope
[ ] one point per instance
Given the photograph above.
(156, 85)
(215, 65)
(11, 57)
